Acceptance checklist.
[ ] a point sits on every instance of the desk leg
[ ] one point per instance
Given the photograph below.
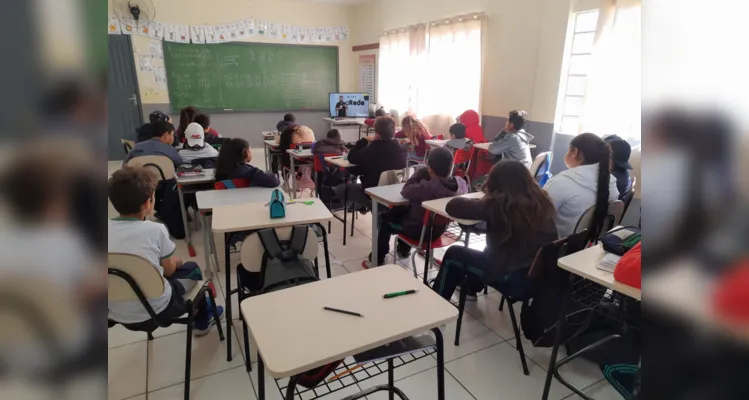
(212, 243)
(325, 247)
(561, 324)
(260, 377)
(206, 246)
(391, 394)
(267, 159)
(428, 248)
(227, 269)
(440, 364)
(292, 177)
(345, 207)
(183, 210)
(375, 231)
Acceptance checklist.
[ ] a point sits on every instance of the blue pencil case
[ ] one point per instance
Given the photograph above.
(277, 205)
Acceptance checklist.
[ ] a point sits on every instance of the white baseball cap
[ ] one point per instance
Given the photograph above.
(195, 135)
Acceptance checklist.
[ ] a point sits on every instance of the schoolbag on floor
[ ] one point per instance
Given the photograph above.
(283, 265)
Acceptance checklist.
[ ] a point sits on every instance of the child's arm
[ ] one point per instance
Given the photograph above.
(503, 144)
(262, 179)
(416, 187)
(170, 264)
(463, 208)
(168, 261)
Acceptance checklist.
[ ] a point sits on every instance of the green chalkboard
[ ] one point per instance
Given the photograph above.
(250, 76)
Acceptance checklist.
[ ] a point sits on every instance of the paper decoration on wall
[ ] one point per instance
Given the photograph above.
(242, 29)
(144, 62)
(328, 34)
(156, 30)
(144, 30)
(159, 74)
(337, 33)
(250, 25)
(234, 32)
(261, 27)
(156, 50)
(222, 33)
(184, 33)
(197, 34)
(303, 35)
(285, 32)
(344, 32)
(274, 30)
(127, 29)
(211, 36)
(316, 35)
(113, 26)
(170, 33)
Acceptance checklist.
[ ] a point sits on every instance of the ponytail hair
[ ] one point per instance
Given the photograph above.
(595, 151)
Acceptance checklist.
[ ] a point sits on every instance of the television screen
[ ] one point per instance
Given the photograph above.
(349, 105)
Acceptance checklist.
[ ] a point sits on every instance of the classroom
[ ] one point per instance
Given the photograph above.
(347, 199)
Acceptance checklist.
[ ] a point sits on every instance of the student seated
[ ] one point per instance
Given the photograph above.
(234, 163)
(131, 191)
(372, 156)
(186, 117)
(520, 220)
(620, 166)
(160, 144)
(196, 150)
(379, 113)
(144, 132)
(513, 142)
(457, 140)
(426, 184)
(417, 134)
(294, 134)
(473, 131)
(204, 120)
(288, 120)
(587, 182)
(332, 144)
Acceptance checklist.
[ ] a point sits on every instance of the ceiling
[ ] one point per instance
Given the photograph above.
(335, 1)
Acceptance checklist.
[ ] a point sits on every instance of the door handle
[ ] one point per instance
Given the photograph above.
(134, 99)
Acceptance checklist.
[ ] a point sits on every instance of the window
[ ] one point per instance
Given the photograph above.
(575, 80)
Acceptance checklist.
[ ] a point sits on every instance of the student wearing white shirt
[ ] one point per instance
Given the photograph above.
(196, 148)
(587, 182)
(131, 191)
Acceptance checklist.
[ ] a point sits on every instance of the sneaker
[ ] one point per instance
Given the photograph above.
(202, 328)
(403, 253)
(366, 264)
(363, 210)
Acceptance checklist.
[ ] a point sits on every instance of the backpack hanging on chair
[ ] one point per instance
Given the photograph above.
(283, 265)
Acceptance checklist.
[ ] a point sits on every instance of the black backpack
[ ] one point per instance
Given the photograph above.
(283, 265)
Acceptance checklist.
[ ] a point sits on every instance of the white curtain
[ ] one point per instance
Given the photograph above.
(612, 99)
(434, 72)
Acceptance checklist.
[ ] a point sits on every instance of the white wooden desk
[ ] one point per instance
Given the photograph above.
(255, 216)
(389, 196)
(339, 161)
(485, 145)
(438, 207)
(583, 264)
(268, 146)
(436, 142)
(182, 182)
(276, 319)
(210, 199)
(296, 155)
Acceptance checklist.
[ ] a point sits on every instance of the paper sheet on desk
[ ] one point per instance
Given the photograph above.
(608, 262)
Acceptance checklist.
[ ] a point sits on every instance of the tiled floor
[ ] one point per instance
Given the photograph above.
(484, 366)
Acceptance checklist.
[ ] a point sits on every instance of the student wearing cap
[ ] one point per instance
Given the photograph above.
(620, 152)
(144, 132)
(196, 150)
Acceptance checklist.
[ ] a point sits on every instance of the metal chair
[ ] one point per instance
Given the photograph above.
(613, 218)
(127, 145)
(133, 278)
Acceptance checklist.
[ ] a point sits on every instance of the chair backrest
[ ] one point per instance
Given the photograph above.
(143, 274)
(319, 161)
(163, 165)
(127, 145)
(388, 178)
(547, 256)
(251, 253)
(541, 161)
(231, 184)
(627, 197)
(613, 218)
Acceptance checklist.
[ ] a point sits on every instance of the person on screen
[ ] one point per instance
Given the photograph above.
(341, 107)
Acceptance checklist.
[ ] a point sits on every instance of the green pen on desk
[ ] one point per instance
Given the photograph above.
(396, 294)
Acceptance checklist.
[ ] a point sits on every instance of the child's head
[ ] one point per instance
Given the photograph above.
(157, 116)
(186, 115)
(204, 120)
(516, 120)
(289, 117)
(334, 134)
(439, 162)
(385, 128)
(195, 135)
(380, 112)
(131, 191)
(233, 152)
(163, 131)
(458, 131)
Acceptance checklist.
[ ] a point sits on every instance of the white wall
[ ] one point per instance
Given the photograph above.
(207, 12)
(523, 42)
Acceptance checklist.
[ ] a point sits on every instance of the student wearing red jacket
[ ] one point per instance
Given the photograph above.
(474, 132)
